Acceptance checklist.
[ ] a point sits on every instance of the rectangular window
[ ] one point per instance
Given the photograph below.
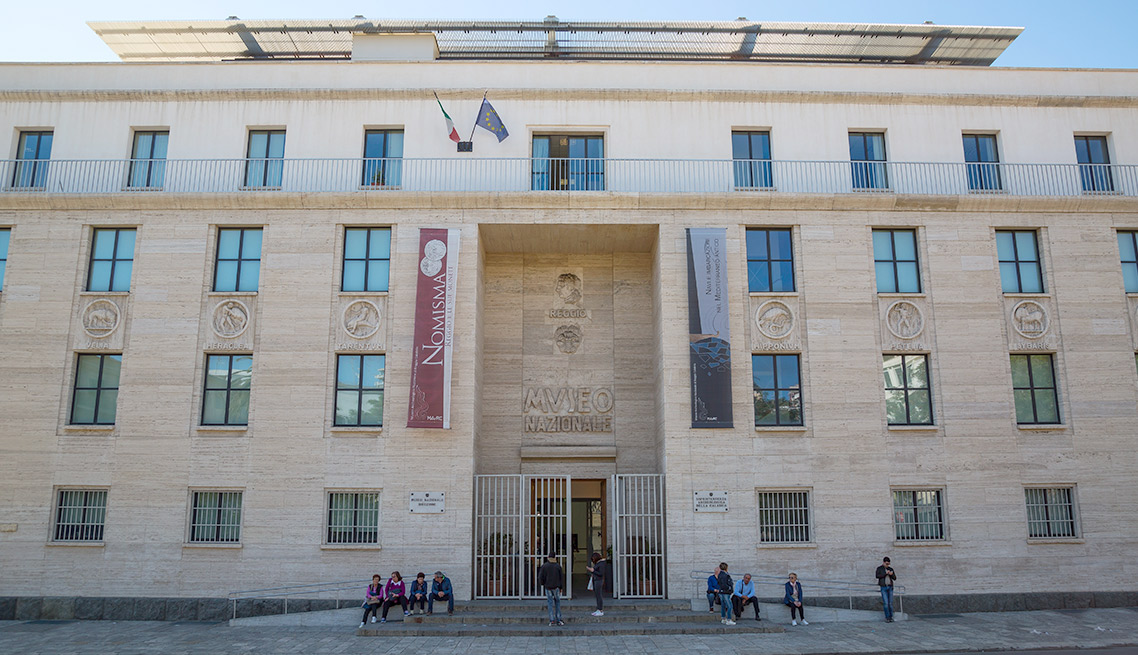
(1033, 383)
(265, 158)
(908, 398)
(1127, 248)
(983, 162)
(367, 259)
(867, 161)
(1050, 513)
(777, 390)
(112, 258)
(5, 238)
(148, 160)
(895, 261)
(33, 153)
(228, 379)
(238, 266)
(353, 518)
(784, 517)
(751, 152)
(96, 389)
(770, 261)
(918, 515)
(80, 515)
(215, 517)
(1094, 164)
(568, 163)
(383, 158)
(359, 390)
(1021, 270)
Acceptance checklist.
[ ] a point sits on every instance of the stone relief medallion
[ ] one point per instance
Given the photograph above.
(100, 318)
(569, 288)
(774, 319)
(905, 320)
(361, 318)
(568, 338)
(230, 319)
(432, 261)
(1029, 319)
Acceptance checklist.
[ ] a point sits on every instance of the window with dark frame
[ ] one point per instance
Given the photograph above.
(568, 162)
(867, 161)
(770, 260)
(215, 517)
(112, 259)
(1021, 269)
(784, 517)
(228, 380)
(5, 239)
(777, 389)
(353, 517)
(908, 393)
(148, 160)
(96, 392)
(1050, 513)
(80, 515)
(751, 152)
(895, 261)
(918, 515)
(238, 265)
(982, 159)
(1127, 250)
(359, 390)
(33, 153)
(383, 158)
(1033, 384)
(367, 259)
(264, 163)
(1093, 156)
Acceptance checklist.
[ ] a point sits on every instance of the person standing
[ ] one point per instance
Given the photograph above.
(744, 594)
(792, 598)
(725, 589)
(551, 578)
(597, 581)
(885, 577)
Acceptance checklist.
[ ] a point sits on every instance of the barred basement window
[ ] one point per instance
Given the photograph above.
(80, 514)
(918, 515)
(1050, 512)
(353, 518)
(784, 517)
(215, 517)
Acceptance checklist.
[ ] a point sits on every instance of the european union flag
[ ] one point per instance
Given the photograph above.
(488, 119)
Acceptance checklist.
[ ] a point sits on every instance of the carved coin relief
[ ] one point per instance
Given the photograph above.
(1030, 320)
(568, 338)
(774, 319)
(905, 320)
(362, 319)
(230, 319)
(100, 318)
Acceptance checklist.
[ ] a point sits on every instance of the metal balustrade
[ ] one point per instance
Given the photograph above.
(522, 174)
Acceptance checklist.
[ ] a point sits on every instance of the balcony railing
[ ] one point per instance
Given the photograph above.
(542, 174)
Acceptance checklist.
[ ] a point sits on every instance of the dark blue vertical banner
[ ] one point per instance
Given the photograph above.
(708, 327)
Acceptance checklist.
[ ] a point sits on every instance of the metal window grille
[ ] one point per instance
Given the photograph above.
(784, 517)
(1034, 390)
(238, 265)
(216, 517)
(896, 270)
(367, 259)
(353, 517)
(776, 389)
(918, 515)
(770, 260)
(1020, 267)
(1050, 512)
(96, 392)
(80, 514)
(112, 258)
(908, 394)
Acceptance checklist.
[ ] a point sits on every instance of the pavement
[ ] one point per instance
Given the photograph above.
(949, 633)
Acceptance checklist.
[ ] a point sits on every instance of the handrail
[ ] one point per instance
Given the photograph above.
(294, 590)
(845, 585)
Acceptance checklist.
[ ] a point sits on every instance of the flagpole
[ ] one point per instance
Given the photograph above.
(476, 118)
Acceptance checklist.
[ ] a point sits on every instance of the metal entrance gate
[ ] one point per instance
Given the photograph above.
(637, 518)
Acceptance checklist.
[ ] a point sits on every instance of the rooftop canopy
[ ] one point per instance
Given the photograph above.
(739, 40)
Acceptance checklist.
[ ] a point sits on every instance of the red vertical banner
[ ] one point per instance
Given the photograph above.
(433, 349)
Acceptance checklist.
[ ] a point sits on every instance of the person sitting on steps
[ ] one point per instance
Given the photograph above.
(441, 589)
(419, 593)
(744, 595)
(394, 592)
(792, 598)
(372, 598)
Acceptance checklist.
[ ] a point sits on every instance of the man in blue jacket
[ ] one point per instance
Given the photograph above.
(441, 590)
(744, 595)
(712, 591)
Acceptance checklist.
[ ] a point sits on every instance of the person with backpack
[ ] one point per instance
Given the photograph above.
(726, 588)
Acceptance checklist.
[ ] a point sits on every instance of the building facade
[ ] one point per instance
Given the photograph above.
(212, 261)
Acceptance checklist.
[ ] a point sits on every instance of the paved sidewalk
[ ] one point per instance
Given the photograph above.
(1092, 628)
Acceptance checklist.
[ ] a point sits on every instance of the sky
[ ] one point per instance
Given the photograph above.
(1058, 33)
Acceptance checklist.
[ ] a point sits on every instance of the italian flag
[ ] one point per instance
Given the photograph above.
(451, 132)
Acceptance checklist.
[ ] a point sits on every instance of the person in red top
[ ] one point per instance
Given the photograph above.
(394, 592)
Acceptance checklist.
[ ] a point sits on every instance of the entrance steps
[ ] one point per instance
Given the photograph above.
(779, 613)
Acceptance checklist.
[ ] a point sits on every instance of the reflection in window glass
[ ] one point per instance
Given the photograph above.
(1033, 384)
(96, 389)
(908, 396)
(770, 261)
(228, 380)
(777, 391)
(751, 152)
(359, 390)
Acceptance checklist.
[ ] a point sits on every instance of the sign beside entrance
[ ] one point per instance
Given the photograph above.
(710, 501)
(428, 502)
(709, 336)
(431, 355)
